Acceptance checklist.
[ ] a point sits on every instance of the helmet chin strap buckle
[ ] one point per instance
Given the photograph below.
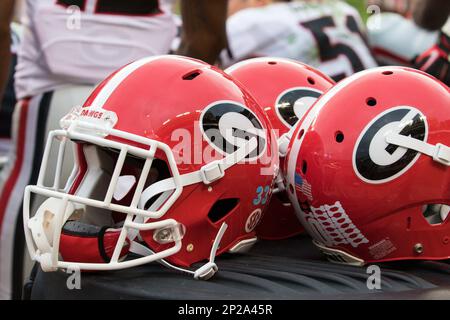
(45, 261)
(212, 171)
(206, 271)
(283, 143)
(442, 154)
(279, 182)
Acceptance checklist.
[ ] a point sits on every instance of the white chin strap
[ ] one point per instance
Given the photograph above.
(209, 173)
(284, 140)
(205, 272)
(283, 144)
(439, 152)
(279, 182)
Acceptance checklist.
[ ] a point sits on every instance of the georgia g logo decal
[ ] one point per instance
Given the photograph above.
(292, 104)
(228, 125)
(375, 160)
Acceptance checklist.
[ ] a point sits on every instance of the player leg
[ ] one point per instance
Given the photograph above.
(33, 119)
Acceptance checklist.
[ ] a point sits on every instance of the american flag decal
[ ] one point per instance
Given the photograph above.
(303, 186)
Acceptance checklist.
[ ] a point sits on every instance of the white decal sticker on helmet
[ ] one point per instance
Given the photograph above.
(382, 249)
(253, 220)
(331, 225)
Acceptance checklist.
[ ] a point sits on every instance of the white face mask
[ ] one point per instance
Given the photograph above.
(102, 191)
(142, 198)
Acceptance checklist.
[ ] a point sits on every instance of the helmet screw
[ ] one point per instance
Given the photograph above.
(446, 240)
(418, 248)
(190, 247)
(210, 189)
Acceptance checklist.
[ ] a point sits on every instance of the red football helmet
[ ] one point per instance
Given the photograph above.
(374, 154)
(169, 153)
(285, 89)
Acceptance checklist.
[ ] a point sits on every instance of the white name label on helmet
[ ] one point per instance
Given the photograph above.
(98, 117)
(90, 119)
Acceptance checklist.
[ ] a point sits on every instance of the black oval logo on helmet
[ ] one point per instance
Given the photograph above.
(375, 160)
(228, 125)
(293, 104)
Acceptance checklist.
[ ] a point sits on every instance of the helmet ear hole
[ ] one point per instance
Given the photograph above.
(304, 167)
(300, 135)
(339, 136)
(222, 208)
(371, 102)
(436, 214)
(191, 75)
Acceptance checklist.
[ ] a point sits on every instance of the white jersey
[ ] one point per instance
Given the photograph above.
(446, 27)
(396, 40)
(16, 36)
(83, 41)
(329, 35)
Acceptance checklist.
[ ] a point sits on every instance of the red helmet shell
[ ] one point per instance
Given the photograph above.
(285, 89)
(366, 197)
(172, 99)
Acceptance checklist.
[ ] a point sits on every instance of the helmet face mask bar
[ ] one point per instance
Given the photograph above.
(78, 131)
(149, 179)
(43, 230)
